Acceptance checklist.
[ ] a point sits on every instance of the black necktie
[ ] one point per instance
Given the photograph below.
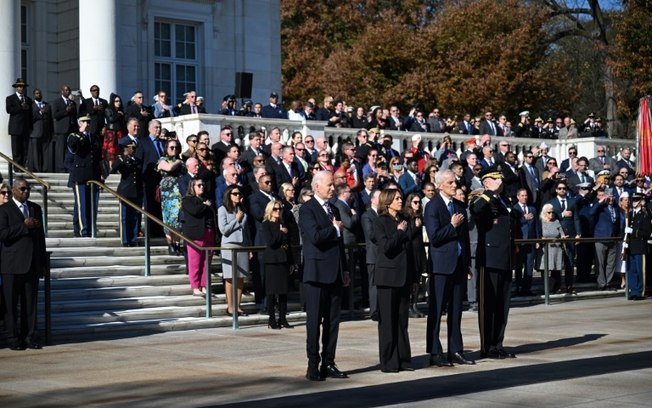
(331, 217)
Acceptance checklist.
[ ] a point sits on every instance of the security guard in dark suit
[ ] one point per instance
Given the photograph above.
(86, 165)
(131, 188)
(497, 226)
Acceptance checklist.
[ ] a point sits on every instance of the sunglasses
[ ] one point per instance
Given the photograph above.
(561, 188)
(267, 182)
(235, 193)
(192, 141)
(5, 193)
(416, 202)
(276, 209)
(23, 189)
(200, 185)
(202, 150)
(310, 141)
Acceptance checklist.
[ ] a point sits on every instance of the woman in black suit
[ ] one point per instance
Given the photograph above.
(198, 225)
(395, 280)
(277, 268)
(413, 211)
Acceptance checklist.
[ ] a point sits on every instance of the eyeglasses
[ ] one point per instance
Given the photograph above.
(94, 90)
(573, 153)
(529, 156)
(310, 141)
(235, 193)
(323, 155)
(23, 189)
(276, 209)
(5, 193)
(416, 202)
(561, 188)
(202, 149)
(172, 147)
(600, 151)
(192, 141)
(200, 185)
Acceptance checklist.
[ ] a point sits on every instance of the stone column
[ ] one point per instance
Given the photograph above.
(98, 63)
(9, 64)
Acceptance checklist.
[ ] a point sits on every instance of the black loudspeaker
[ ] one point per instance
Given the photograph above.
(243, 81)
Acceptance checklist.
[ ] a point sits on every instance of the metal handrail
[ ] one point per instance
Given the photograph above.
(43, 183)
(548, 241)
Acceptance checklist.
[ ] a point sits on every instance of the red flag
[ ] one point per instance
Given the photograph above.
(644, 137)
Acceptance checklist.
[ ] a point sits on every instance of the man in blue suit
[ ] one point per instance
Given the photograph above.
(527, 216)
(324, 277)
(148, 153)
(409, 180)
(567, 212)
(448, 232)
(606, 218)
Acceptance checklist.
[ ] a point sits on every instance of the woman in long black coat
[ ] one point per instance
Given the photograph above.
(277, 266)
(395, 280)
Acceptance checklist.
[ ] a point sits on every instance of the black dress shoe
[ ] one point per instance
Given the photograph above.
(439, 360)
(33, 345)
(388, 370)
(506, 354)
(331, 370)
(314, 375)
(17, 347)
(458, 358)
(406, 368)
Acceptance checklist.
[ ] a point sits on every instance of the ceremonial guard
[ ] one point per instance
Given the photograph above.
(638, 235)
(497, 228)
(131, 188)
(87, 155)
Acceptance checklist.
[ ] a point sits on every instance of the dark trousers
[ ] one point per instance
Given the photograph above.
(446, 293)
(393, 339)
(323, 305)
(153, 207)
(569, 263)
(35, 155)
(586, 253)
(58, 150)
(635, 275)
(493, 310)
(373, 292)
(130, 223)
(525, 267)
(19, 145)
(83, 206)
(20, 288)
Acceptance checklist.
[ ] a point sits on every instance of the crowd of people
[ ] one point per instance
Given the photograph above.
(448, 216)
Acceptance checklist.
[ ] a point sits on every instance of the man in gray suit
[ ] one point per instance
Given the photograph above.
(368, 219)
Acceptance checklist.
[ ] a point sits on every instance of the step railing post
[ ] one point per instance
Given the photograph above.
(209, 283)
(546, 272)
(235, 277)
(147, 248)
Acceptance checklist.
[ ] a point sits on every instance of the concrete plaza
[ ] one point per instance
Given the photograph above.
(589, 353)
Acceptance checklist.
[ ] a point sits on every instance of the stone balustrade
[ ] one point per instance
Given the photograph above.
(189, 124)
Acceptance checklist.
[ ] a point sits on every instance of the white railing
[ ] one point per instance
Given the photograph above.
(191, 124)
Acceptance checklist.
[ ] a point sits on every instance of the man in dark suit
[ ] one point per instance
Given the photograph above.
(257, 203)
(23, 263)
(221, 147)
(497, 229)
(254, 149)
(530, 179)
(289, 171)
(137, 109)
(130, 187)
(19, 108)
(148, 153)
(580, 176)
(274, 110)
(39, 138)
(324, 277)
(528, 220)
(87, 155)
(488, 126)
(64, 111)
(95, 108)
(566, 211)
(368, 218)
(464, 126)
(448, 233)
(606, 218)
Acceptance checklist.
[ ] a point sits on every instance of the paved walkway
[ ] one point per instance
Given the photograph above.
(590, 353)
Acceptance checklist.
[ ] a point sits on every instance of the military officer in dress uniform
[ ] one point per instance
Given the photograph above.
(497, 226)
(87, 155)
(638, 233)
(131, 188)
